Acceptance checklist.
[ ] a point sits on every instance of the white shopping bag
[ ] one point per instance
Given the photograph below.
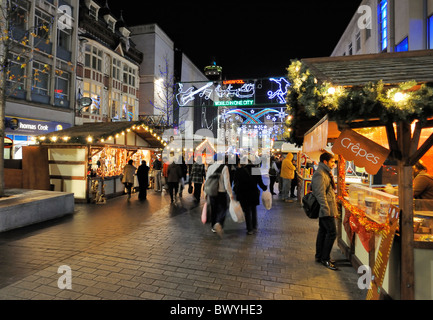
(236, 211)
(267, 200)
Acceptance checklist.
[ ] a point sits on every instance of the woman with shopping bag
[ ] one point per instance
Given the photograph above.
(247, 193)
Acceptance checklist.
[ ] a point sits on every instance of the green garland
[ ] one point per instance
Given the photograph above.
(309, 99)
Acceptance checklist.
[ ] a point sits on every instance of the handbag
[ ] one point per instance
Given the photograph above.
(236, 212)
(311, 206)
(267, 200)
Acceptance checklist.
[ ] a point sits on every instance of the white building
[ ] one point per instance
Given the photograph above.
(388, 26)
(163, 66)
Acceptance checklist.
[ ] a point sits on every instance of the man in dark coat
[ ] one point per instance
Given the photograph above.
(248, 194)
(143, 180)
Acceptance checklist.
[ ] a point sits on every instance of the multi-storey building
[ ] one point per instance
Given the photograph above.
(107, 67)
(40, 43)
(388, 26)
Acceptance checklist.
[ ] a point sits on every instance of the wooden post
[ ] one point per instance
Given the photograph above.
(405, 190)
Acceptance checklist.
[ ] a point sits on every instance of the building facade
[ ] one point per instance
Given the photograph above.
(107, 66)
(40, 69)
(388, 26)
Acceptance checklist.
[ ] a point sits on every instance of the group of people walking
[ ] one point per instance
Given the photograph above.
(241, 182)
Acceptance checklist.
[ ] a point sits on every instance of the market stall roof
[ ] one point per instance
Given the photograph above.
(106, 133)
(360, 90)
(391, 68)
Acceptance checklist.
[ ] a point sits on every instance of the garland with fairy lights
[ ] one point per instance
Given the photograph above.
(309, 98)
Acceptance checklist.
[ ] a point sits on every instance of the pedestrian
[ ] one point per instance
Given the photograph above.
(287, 174)
(143, 180)
(273, 173)
(184, 170)
(219, 203)
(174, 174)
(128, 177)
(323, 187)
(248, 194)
(294, 183)
(198, 174)
(423, 182)
(157, 167)
(164, 181)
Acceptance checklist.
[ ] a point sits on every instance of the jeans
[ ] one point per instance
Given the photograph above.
(250, 212)
(287, 183)
(325, 238)
(219, 205)
(158, 185)
(172, 189)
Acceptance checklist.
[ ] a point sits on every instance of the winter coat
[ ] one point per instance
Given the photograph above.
(287, 167)
(174, 173)
(423, 186)
(245, 186)
(322, 189)
(128, 173)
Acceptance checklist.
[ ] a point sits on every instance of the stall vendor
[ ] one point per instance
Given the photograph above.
(422, 183)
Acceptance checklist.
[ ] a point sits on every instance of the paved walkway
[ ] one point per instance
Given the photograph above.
(151, 250)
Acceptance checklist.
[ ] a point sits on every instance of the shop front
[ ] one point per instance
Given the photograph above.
(23, 132)
(385, 123)
(88, 160)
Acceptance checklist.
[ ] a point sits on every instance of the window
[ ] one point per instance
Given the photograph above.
(402, 46)
(93, 12)
(129, 75)
(93, 58)
(62, 85)
(64, 39)
(94, 92)
(383, 24)
(350, 49)
(115, 105)
(430, 32)
(15, 73)
(40, 78)
(19, 16)
(42, 24)
(116, 69)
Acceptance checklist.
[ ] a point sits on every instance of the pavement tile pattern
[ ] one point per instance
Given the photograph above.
(132, 250)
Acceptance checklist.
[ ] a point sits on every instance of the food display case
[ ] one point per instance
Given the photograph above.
(423, 220)
(373, 202)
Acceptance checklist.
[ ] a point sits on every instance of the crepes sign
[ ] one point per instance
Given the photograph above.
(362, 151)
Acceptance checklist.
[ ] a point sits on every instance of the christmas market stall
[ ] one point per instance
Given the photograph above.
(88, 160)
(382, 105)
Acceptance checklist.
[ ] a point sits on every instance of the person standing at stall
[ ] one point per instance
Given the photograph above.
(128, 177)
(422, 183)
(157, 167)
(273, 173)
(287, 174)
(143, 180)
(323, 186)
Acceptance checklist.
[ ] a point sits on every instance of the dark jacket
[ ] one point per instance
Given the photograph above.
(143, 175)
(245, 186)
(423, 186)
(174, 173)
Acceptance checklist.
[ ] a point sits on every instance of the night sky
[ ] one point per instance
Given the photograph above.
(248, 39)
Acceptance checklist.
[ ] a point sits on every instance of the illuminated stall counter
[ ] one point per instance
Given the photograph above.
(88, 160)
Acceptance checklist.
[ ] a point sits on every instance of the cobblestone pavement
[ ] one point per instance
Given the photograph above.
(150, 250)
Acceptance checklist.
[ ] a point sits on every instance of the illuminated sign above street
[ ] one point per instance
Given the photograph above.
(227, 93)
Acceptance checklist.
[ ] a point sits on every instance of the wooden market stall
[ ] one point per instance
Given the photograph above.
(88, 160)
(393, 92)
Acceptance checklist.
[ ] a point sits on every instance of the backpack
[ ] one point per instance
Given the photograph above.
(311, 206)
(211, 184)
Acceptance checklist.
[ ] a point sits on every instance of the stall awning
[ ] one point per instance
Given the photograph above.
(317, 138)
(127, 134)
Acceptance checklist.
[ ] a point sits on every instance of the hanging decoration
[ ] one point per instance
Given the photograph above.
(407, 101)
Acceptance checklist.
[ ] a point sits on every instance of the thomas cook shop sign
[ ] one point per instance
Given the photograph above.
(362, 151)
